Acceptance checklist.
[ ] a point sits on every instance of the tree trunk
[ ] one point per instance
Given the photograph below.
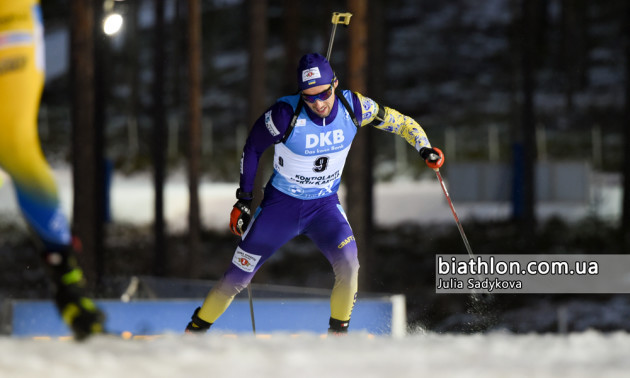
(358, 176)
(257, 79)
(85, 211)
(133, 68)
(574, 54)
(291, 37)
(625, 217)
(525, 148)
(377, 50)
(159, 141)
(194, 134)
(101, 55)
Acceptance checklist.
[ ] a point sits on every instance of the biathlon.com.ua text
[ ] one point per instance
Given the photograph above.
(493, 266)
(531, 273)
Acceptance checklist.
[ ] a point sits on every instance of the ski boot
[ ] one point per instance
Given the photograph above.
(77, 310)
(338, 327)
(196, 324)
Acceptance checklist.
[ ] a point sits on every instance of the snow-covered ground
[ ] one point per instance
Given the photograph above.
(395, 202)
(588, 354)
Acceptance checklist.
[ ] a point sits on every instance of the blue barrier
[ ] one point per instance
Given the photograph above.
(379, 316)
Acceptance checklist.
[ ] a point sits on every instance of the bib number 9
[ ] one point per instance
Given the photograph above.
(321, 163)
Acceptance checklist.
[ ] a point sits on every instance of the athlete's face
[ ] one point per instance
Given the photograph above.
(320, 107)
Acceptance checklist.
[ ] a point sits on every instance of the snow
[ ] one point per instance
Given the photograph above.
(587, 354)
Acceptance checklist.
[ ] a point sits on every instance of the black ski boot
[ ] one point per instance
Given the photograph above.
(338, 327)
(197, 325)
(77, 310)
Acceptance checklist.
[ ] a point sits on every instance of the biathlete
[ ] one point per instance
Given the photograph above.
(21, 83)
(312, 132)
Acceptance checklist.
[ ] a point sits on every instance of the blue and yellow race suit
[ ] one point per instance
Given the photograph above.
(21, 83)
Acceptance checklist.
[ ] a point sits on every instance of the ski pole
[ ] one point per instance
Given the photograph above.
(478, 299)
(251, 306)
(450, 203)
(337, 18)
(251, 303)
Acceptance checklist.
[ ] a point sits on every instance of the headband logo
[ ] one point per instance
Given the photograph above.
(311, 74)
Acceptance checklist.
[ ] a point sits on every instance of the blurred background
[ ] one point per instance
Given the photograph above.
(528, 99)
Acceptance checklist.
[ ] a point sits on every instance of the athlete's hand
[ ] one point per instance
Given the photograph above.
(241, 216)
(433, 156)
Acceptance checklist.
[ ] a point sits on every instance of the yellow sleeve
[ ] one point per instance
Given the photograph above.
(393, 121)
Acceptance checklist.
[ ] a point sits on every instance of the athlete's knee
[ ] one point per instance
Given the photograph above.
(346, 267)
(230, 289)
(233, 282)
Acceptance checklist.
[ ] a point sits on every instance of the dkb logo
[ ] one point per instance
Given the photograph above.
(323, 139)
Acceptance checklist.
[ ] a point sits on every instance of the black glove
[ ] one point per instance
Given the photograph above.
(240, 217)
(77, 310)
(241, 212)
(434, 157)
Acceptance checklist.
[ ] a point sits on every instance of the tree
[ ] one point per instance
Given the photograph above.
(358, 177)
(377, 49)
(625, 217)
(257, 77)
(159, 140)
(574, 53)
(525, 136)
(194, 133)
(291, 27)
(86, 220)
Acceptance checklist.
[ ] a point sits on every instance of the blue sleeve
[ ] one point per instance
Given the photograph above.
(268, 129)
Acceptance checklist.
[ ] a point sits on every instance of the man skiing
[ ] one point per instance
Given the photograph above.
(312, 132)
(21, 83)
